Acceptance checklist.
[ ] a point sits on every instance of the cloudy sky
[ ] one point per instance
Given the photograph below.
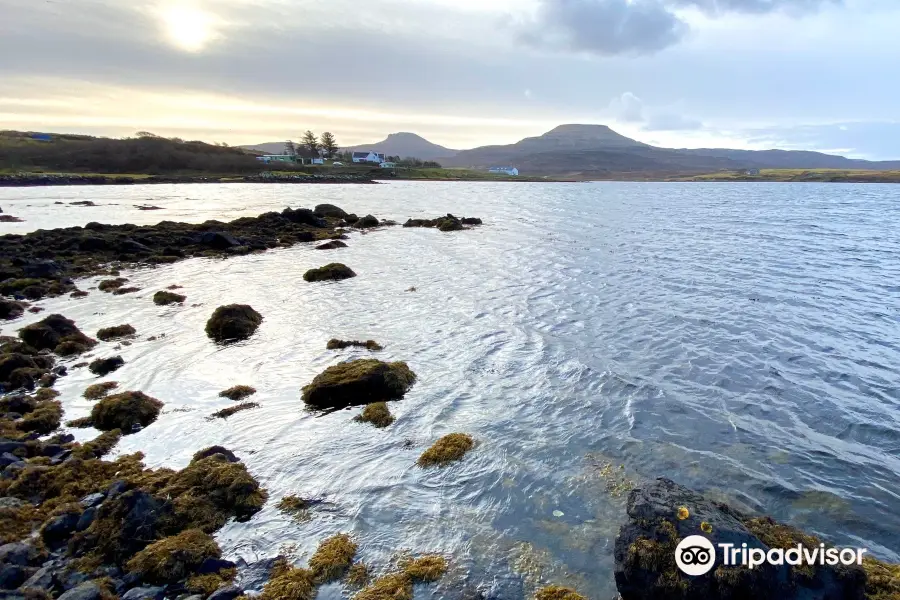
(795, 74)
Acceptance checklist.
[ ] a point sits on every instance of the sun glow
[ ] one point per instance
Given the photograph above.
(187, 27)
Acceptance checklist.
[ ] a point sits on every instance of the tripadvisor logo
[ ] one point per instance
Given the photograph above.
(695, 555)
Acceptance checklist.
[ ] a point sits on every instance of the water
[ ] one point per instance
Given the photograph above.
(739, 338)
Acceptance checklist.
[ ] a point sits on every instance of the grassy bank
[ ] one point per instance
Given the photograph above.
(808, 175)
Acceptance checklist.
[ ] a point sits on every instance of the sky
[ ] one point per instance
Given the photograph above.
(792, 74)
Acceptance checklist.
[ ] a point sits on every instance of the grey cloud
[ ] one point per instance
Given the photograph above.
(605, 27)
(671, 122)
(757, 6)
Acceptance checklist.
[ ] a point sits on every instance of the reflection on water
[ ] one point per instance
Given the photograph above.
(740, 339)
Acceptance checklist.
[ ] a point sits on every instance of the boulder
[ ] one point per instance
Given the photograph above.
(145, 593)
(84, 591)
(329, 210)
(42, 269)
(215, 450)
(303, 216)
(366, 222)
(164, 298)
(128, 411)
(10, 309)
(662, 513)
(330, 272)
(105, 366)
(358, 382)
(119, 331)
(232, 323)
(227, 593)
(55, 331)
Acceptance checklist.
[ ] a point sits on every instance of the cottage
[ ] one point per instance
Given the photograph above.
(751, 172)
(368, 157)
(270, 158)
(504, 170)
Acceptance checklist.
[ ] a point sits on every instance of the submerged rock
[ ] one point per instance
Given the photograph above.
(332, 245)
(447, 223)
(119, 331)
(56, 333)
(174, 558)
(662, 513)
(330, 272)
(358, 382)
(447, 449)
(164, 298)
(11, 309)
(127, 411)
(227, 412)
(335, 344)
(233, 323)
(105, 366)
(237, 392)
(377, 413)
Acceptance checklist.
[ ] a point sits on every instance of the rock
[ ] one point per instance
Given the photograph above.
(215, 450)
(366, 222)
(119, 331)
(43, 578)
(164, 560)
(59, 528)
(92, 500)
(446, 223)
(53, 331)
(12, 576)
(133, 247)
(336, 344)
(86, 518)
(219, 240)
(332, 245)
(450, 448)
(254, 576)
(378, 414)
(104, 366)
(227, 593)
(125, 411)
(214, 565)
(662, 513)
(10, 309)
(330, 272)
(329, 210)
(358, 382)
(7, 459)
(471, 221)
(42, 269)
(304, 216)
(164, 298)
(238, 392)
(232, 323)
(84, 591)
(145, 593)
(11, 503)
(19, 553)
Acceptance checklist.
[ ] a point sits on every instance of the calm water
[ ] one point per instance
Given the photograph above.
(739, 338)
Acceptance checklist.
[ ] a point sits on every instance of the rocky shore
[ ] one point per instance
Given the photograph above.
(77, 526)
(49, 179)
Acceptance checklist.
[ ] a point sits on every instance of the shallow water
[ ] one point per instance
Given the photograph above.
(739, 338)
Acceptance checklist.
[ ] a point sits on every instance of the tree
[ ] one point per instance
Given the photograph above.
(289, 148)
(329, 145)
(311, 142)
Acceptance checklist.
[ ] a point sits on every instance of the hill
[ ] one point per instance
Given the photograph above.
(596, 151)
(406, 145)
(146, 154)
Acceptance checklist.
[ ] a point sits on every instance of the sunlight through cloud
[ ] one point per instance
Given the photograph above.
(187, 27)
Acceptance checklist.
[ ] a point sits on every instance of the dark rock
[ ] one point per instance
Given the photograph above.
(226, 593)
(303, 216)
(116, 489)
(366, 222)
(105, 366)
(333, 244)
(19, 553)
(358, 382)
(51, 331)
(12, 576)
(329, 210)
(233, 322)
(219, 240)
(330, 272)
(662, 513)
(9, 446)
(133, 247)
(145, 593)
(214, 565)
(84, 591)
(10, 309)
(164, 298)
(60, 371)
(471, 221)
(7, 459)
(43, 578)
(42, 269)
(212, 451)
(128, 411)
(59, 528)
(92, 500)
(86, 518)
(92, 243)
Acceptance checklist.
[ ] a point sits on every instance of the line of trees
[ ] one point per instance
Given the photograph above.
(410, 161)
(313, 146)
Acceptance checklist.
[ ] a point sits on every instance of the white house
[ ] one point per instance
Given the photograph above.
(368, 157)
(504, 170)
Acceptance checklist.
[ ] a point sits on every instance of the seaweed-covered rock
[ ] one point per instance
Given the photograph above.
(111, 285)
(332, 558)
(174, 558)
(662, 513)
(11, 309)
(232, 323)
(447, 449)
(237, 392)
(377, 413)
(56, 332)
(446, 223)
(289, 583)
(303, 216)
(393, 586)
(105, 366)
(332, 245)
(112, 333)
(20, 370)
(164, 298)
(213, 451)
(128, 411)
(330, 272)
(231, 410)
(335, 344)
(426, 569)
(556, 592)
(329, 210)
(358, 382)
